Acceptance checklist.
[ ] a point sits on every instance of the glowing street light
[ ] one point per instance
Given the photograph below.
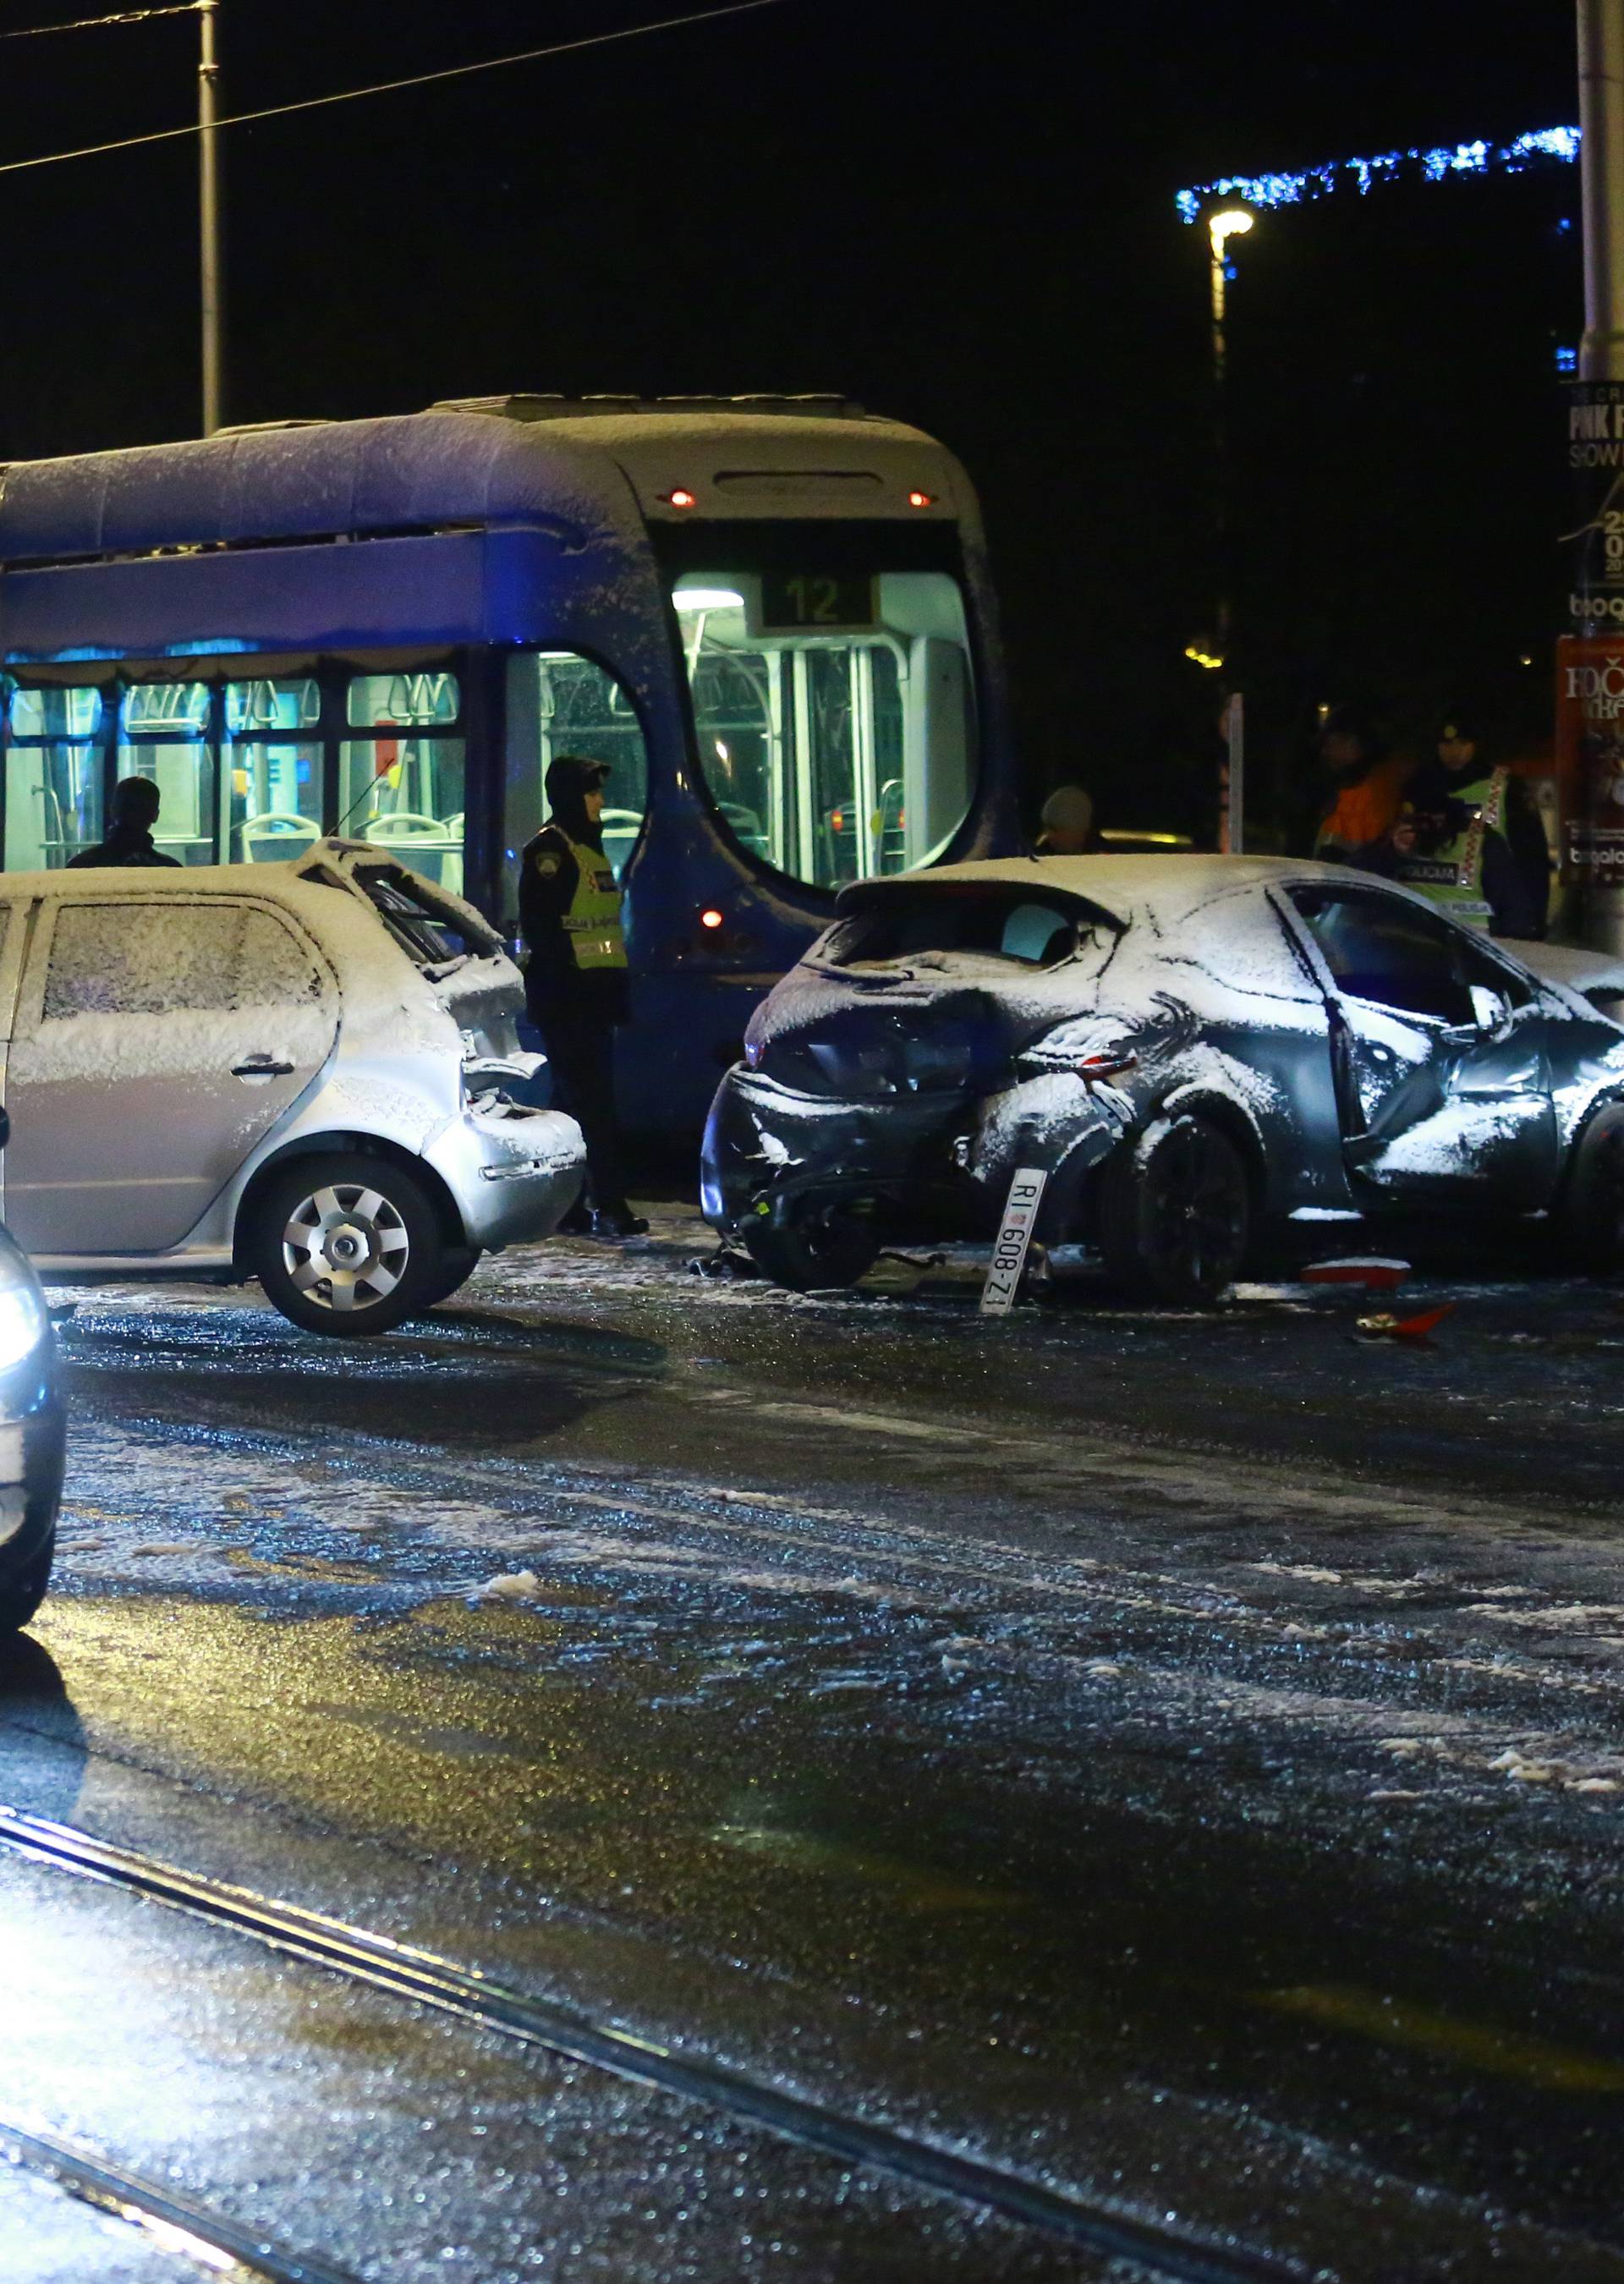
(1228, 222)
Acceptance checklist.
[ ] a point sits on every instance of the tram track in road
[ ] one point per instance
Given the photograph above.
(170, 2223)
(421, 1978)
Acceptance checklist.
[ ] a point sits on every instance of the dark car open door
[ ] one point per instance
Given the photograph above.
(1438, 1053)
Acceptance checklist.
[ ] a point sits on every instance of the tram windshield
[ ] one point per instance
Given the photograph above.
(835, 714)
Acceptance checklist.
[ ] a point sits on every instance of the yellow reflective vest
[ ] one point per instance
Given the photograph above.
(1452, 875)
(592, 925)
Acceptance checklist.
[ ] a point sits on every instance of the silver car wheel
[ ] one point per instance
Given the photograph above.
(345, 1247)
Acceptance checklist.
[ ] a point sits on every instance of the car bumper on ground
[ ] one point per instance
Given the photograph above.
(514, 1171)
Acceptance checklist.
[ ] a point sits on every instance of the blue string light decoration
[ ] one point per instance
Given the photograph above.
(1543, 146)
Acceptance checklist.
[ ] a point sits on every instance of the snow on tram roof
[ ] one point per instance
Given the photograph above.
(1119, 885)
(408, 472)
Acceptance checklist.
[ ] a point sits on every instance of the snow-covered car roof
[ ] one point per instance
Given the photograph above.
(283, 882)
(1169, 886)
(290, 882)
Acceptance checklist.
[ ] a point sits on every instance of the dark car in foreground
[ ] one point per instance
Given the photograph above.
(31, 1436)
(1190, 1048)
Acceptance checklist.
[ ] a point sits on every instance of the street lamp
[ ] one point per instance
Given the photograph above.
(1225, 224)
(1228, 222)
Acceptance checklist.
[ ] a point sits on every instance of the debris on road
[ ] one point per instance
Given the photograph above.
(507, 1586)
(1385, 1327)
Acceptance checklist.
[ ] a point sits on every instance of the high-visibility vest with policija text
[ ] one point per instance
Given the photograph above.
(592, 925)
(1452, 875)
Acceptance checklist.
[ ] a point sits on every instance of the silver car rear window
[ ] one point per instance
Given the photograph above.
(431, 933)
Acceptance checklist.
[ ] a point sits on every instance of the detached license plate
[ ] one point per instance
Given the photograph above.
(1008, 1259)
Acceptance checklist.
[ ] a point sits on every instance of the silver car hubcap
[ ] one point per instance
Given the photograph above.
(346, 1248)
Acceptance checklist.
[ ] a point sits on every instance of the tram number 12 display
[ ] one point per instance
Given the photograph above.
(808, 602)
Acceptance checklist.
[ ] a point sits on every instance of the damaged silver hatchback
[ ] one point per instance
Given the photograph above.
(1190, 1048)
(294, 1072)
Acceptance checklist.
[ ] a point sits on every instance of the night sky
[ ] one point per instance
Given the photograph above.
(962, 218)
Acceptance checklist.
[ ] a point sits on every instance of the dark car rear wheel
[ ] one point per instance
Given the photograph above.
(349, 1246)
(22, 1594)
(1176, 1212)
(1590, 1218)
(814, 1247)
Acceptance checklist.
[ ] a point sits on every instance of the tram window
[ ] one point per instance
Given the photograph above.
(53, 778)
(559, 702)
(404, 786)
(163, 734)
(273, 769)
(418, 702)
(832, 750)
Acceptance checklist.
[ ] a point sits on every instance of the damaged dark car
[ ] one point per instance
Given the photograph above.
(1191, 1049)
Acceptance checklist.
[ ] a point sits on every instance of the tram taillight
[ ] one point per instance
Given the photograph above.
(921, 499)
(681, 497)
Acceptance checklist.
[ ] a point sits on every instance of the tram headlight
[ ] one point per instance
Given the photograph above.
(690, 600)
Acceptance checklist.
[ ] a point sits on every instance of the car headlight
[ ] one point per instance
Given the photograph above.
(23, 1321)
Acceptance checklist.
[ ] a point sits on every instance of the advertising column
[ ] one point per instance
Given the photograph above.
(1591, 671)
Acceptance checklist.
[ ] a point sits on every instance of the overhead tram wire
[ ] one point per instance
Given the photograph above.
(396, 86)
(97, 23)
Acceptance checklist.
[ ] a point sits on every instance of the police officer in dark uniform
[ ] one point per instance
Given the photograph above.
(136, 803)
(576, 981)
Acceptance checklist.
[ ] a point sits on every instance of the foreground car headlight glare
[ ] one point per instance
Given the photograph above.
(23, 1324)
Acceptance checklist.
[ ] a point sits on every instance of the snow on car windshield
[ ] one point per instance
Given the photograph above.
(953, 928)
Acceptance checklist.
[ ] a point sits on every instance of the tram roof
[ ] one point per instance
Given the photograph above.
(583, 463)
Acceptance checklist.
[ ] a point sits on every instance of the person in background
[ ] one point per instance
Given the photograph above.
(576, 981)
(1357, 793)
(1068, 824)
(1470, 836)
(135, 803)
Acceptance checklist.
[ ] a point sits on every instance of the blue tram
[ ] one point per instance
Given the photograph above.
(772, 617)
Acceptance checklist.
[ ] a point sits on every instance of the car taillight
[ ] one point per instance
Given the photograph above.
(1111, 1066)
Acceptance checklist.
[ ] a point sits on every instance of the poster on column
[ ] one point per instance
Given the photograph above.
(1590, 773)
(1590, 664)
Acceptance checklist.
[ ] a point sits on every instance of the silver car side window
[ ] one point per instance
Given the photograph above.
(123, 958)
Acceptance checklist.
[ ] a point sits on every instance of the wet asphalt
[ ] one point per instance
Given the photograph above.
(1173, 1758)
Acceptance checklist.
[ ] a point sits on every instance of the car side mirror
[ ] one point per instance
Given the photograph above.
(1489, 1010)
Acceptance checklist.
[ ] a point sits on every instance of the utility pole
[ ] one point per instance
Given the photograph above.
(1589, 735)
(1601, 166)
(211, 217)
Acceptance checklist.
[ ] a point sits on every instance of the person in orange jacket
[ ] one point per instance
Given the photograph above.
(1359, 790)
